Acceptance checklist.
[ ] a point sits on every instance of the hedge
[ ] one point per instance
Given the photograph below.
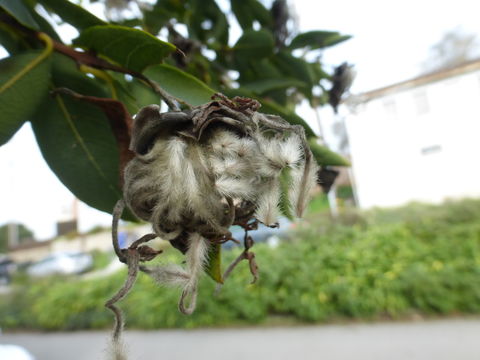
(386, 263)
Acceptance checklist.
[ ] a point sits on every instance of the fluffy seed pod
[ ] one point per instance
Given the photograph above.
(197, 172)
(194, 170)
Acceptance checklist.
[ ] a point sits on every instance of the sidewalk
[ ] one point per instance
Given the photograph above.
(451, 339)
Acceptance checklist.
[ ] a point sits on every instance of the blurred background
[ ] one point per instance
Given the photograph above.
(386, 263)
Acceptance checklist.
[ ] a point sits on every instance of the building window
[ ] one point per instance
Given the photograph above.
(431, 149)
(421, 102)
(390, 108)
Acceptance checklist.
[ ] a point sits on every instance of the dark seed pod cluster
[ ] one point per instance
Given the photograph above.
(197, 172)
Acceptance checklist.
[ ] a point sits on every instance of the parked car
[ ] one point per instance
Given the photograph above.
(66, 263)
(14, 352)
(7, 267)
(262, 234)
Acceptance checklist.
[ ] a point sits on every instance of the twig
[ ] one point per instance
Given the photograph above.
(133, 258)
(245, 255)
(117, 213)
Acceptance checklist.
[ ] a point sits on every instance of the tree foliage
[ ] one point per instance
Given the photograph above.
(23, 235)
(80, 96)
(454, 48)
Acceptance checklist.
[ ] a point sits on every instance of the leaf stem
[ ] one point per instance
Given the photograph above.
(102, 75)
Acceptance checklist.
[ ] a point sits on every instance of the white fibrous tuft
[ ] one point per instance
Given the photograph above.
(197, 255)
(271, 149)
(196, 258)
(220, 164)
(290, 152)
(304, 179)
(231, 166)
(267, 203)
(170, 275)
(246, 148)
(190, 186)
(176, 154)
(225, 142)
(117, 351)
(234, 187)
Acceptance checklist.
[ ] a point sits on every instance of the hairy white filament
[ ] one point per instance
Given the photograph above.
(196, 258)
(234, 187)
(225, 142)
(267, 203)
(290, 151)
(170, 275)
(304, 179)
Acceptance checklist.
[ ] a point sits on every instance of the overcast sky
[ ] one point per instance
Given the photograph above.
(390, 41)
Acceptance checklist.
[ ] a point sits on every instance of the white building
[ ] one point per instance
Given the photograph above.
(418, 140)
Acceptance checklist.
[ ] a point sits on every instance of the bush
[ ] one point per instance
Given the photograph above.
(419, 258)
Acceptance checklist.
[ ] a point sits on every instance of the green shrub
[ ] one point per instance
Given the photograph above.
(383, 263)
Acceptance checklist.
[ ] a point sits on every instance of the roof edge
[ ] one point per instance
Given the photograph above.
(431, 77)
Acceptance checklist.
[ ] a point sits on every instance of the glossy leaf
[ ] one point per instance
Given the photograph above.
(120, 120)
(72, 13)
(142, 94)
(214, 265)
(132, 48)
(248, 11)
(19, 11)
(285, 185)
(207, 22)
(264, 85)
(10, 41)
(23, 85)
(76, 140)
(180, 84)
(325, 156)
(45, 26)
(161, 13)
(294, 67)
(261, 13)
(254, 45)
(317, 39)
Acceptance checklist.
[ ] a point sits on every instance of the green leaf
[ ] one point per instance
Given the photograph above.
(23, 85)
(247, 11)
(294, 67)
(261, 13)
(264, 85)
(285, 185)
(214, 265)
(45, 26)
(72, 13)
(325, 156)
(337, 39)
(18, 10)
(317, 39)
(254, 44)
(180, 84)
(135, 49)
(10, 41)
(161, 13)
(317, 72)
(76, 140)
(207, 22)
(242, 12)
(143, 95)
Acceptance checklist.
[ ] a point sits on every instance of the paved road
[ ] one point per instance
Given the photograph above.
(457, 339)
